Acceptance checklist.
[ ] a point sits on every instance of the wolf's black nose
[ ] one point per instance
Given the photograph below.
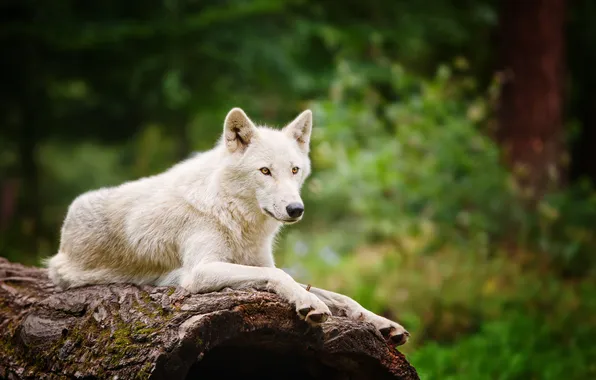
(295, 209)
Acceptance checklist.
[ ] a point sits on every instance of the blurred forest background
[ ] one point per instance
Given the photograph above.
(453, 150)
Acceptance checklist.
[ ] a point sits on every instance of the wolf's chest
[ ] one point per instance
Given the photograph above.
(253, 248)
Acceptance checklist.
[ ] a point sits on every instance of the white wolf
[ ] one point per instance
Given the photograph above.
(205, 224)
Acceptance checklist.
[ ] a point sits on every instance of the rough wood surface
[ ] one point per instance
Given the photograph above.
(126, 331)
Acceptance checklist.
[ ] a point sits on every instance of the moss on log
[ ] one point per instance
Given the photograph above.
(144, 332)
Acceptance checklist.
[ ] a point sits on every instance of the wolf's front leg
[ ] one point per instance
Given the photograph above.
(345, 306)
(214, 276)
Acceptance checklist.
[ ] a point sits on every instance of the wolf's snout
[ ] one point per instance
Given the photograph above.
(295, 210)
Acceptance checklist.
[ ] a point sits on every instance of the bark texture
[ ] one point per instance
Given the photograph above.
(126, 331)
(531, 106)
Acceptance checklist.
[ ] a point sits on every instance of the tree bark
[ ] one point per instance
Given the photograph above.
(125, 331)
(531, 105)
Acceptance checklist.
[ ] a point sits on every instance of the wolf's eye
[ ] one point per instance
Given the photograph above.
(295, 170)
(265, 171)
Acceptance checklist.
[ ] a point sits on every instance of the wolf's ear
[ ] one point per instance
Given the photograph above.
(300, 129)
(238, 130)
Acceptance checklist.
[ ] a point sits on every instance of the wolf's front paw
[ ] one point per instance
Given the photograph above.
(312, 309)
(389, 329)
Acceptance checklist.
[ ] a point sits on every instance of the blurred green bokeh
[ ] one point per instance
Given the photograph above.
(409, 209)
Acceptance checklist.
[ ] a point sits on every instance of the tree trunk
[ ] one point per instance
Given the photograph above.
(125, 331)
(531, 106)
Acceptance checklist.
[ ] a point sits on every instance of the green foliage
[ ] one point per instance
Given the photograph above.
(395, 154)
(563, 229)
(517, 347)
(384, 167)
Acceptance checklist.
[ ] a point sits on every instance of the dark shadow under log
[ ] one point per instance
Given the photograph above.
(127, 331)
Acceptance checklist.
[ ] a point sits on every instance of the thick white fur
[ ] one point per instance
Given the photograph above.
(205, 224)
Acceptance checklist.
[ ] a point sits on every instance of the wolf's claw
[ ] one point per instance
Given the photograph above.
(397, 336)
(304, 311)
(317, 317)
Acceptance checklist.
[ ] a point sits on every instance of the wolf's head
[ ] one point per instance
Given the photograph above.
(267, 166)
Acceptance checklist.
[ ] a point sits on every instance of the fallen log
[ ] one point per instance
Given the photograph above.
(127, 331)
